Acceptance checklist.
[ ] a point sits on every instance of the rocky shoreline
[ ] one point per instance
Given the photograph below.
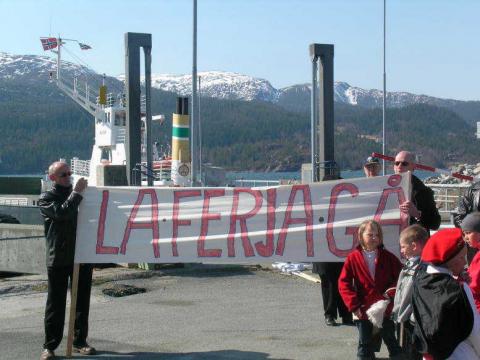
(464, 169)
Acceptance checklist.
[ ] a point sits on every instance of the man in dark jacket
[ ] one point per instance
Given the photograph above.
(421, 208)
(59, 207)
(469, 203)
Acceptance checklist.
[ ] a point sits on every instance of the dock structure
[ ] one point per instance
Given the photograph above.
(22, 248)
(133, 43)
(322, 116)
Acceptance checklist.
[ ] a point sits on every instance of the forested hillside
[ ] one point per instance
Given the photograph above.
(38, 126)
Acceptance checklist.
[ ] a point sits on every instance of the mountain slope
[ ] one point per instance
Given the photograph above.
(39, 125)
(225, 85)
(233, 86)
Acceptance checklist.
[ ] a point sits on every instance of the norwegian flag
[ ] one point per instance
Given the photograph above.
(49, 43)
(84, 46)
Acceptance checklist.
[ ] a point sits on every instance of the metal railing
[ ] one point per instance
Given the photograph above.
(148, 173)
(255, 183)
(121, 135)
(163, 173)
(13, 201)
(80, 167)
(447, 196)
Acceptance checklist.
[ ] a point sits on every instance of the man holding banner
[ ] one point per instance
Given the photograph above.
(421, 208)
(59, 207)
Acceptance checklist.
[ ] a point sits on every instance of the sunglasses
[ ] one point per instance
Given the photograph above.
(65, 174)
(403, 163)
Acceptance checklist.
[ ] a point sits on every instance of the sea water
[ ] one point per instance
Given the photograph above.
(296, 175)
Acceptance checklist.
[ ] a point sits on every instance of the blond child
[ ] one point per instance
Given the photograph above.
(412, 241)
(369, 271)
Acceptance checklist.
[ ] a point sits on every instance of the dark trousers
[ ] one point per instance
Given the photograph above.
(366, 346)
(332, 301)
(408, 346)
(56, 302)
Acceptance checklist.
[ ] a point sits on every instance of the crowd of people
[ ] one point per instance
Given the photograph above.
(427, 308)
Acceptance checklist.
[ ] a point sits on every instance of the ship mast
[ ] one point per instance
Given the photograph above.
(82, 100)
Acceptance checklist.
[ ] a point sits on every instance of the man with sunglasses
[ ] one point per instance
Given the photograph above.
(421, 208)
(59, 207)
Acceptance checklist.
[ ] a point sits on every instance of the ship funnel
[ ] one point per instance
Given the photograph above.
(181, 175)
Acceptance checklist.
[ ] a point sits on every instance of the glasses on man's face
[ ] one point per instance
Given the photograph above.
(403, 163)
(65, 174)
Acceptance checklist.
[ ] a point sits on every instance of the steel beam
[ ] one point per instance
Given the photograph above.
(322, 115)
(133, 145)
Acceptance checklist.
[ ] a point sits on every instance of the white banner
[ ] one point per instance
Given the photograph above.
(302, 223)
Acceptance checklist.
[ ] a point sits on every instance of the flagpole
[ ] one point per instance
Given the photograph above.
(59, 58)
(384, 84)
(194, 117)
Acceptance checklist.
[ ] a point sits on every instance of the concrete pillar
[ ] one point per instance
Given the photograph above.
(133, 42)
(322, 116)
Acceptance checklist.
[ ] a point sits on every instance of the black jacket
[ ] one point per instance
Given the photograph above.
(422, 197)
(443, 315)
(59, 207)
(469, 203)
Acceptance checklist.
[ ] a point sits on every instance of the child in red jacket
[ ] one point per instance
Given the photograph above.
(369, 271)
(471, 234)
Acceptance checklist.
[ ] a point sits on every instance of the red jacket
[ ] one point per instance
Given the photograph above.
(356, 286)
(474, 272)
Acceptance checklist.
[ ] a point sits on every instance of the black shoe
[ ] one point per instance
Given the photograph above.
(47, 355)
(84, 349)
(330, 321)
(347, 322)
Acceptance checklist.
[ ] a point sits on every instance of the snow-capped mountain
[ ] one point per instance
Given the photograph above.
(37, 69)
(33, 66)
(217, 84)
(374, 98)
(228, 85)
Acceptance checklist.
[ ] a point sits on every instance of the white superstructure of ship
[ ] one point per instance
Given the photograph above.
(109, 114)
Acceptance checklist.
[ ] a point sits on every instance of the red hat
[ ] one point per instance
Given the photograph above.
(443, 246)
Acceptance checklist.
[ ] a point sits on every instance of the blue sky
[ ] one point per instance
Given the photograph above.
(432, 45)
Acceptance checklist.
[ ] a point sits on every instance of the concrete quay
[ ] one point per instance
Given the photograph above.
(22, 248)
(198, 312)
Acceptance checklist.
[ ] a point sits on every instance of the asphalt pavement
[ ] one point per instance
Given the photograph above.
(198, 312)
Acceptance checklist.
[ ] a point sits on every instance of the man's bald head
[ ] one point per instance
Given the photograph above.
(59, 172)
(55, 166)
(404, 161)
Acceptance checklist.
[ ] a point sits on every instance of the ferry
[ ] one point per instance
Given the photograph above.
(109, 112)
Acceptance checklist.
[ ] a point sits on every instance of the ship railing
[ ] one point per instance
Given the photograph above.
(81, 96)
(80, 167)
(163, 171)
(14, 201)
(146, 173)
(121, 135)
(163, 174)
(255, 183)
(447, 196)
